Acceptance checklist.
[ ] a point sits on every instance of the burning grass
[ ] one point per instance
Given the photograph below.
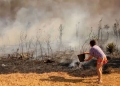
(40, 73)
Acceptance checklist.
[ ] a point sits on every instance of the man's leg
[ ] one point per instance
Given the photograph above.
(99, 71)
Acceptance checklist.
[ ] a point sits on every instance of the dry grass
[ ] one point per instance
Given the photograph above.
(38, 73)
(56, 79)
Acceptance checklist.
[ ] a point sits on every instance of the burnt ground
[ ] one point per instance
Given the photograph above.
(9, 65)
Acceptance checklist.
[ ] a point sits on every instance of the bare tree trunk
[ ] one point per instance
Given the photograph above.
(99, 32)
(49, 49)
(60, 37)
(41, 49)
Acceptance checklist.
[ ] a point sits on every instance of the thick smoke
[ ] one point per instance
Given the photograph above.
(44, 17)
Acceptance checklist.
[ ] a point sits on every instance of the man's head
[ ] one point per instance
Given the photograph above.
(92, 43)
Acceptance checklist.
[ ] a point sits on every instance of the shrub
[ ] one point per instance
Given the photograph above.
(111, 47)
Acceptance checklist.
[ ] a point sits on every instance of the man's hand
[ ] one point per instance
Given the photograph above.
(85, 60)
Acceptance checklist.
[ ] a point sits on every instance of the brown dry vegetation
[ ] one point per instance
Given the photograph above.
(55, 79)
(16, 72)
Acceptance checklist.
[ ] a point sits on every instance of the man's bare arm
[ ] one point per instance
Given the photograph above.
(86, 53)
(90, 57)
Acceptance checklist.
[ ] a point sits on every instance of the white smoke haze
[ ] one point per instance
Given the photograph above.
(44, 18)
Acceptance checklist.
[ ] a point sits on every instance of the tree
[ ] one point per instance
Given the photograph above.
(60, 36)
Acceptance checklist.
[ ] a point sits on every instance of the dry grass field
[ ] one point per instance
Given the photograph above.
(56, 79)
(38, 73)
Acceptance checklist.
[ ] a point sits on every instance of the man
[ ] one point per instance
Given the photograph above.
(97, 52)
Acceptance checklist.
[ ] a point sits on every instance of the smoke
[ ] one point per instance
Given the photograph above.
(44, 17)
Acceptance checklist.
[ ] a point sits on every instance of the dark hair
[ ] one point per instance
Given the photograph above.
(92, 42)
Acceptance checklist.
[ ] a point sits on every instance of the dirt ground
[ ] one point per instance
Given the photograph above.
(37, 73)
